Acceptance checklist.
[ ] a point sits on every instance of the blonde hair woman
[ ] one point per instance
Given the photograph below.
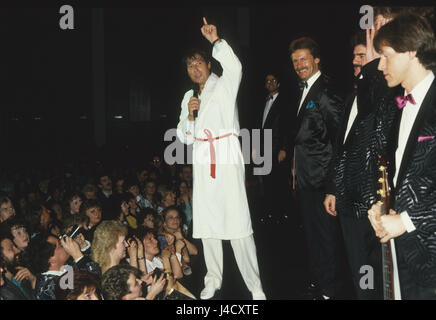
(109, 244)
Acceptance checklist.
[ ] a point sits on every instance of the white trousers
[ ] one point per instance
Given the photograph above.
(245, 254)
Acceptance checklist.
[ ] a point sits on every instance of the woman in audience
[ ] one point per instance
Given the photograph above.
(166, 262)
(146, 218)
(18, 231)
(121, 208)
(184, 248)
(7, 209)
(168, 198)
(184, 201)
(109, 245)
(74, 201)
(57, 210)
(38, 218)
(150, 198)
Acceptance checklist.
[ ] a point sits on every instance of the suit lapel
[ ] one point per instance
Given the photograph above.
(314, 89)
(344, 124)
(423, 114)
(272, 111)
(392, 146)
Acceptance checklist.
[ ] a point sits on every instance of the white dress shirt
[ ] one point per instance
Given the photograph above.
(268, 105)
(410, 111)
(351, 118)
(353, 115)
(310, 82)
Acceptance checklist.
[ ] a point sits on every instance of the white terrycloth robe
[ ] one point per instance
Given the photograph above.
(220, 207)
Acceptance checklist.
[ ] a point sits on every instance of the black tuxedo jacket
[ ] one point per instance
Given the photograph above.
(315, 134)
(274, 121)
(415, 193)
(354, 171)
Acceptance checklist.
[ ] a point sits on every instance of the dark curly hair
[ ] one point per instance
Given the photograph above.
(3, 235)
(305, 43)
(140, 217)
(84, 282)
(88, 204)
(142, 231)
(40, 251)
(114, 282)
(33, 217)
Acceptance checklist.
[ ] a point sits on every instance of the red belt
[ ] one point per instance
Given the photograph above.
(210, 139)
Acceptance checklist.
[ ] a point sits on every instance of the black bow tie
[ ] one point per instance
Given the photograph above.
(302, 84)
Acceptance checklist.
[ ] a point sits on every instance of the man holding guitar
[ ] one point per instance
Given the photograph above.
(408, 55)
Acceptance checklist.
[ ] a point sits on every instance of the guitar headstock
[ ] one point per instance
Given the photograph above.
(383, 185)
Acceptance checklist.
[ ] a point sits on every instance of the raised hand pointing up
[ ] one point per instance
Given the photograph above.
(209, 31)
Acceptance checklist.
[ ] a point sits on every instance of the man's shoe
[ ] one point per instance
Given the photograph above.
(207, 293)
(322, 297)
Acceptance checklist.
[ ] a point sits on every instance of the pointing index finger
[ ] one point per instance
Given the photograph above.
(204, 20)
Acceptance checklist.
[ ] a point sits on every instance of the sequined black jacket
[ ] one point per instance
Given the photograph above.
(45, 283)
(354, 171)
(415, 193)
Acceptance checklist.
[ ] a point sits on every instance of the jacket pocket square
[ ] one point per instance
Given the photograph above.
(310, 104)
(425, 138)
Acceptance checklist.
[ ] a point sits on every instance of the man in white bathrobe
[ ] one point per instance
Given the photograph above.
(220, 208)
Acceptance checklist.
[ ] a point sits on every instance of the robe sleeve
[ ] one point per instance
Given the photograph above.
(232, 68)
(185, 128)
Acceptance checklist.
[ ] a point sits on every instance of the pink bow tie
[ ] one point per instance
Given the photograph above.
(402, 100)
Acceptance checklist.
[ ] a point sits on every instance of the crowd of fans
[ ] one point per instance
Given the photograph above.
(117, 234)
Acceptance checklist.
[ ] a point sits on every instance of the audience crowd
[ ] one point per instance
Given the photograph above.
(115, 234)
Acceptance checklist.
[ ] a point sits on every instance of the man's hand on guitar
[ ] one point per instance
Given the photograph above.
(374, 215)
(386, 226)
(393, 226)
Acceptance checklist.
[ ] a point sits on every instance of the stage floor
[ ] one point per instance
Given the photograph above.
(282, 256)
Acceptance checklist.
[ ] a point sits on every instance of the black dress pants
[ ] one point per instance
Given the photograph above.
(321, 233)
(363, 249)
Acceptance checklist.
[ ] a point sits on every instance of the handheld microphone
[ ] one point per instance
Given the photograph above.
(196, 87)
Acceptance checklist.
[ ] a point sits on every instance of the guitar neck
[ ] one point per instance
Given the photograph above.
(387, 265)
